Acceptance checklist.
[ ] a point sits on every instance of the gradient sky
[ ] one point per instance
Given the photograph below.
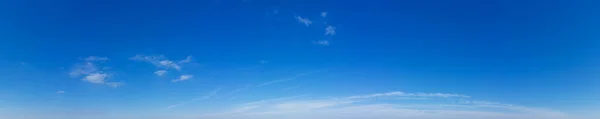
(299, 59)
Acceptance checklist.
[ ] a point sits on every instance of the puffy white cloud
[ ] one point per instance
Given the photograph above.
(95, 78)
(160, 72)
(304, 21)
(89, 70)
(323, 14)
(182, 78)
(60, 92)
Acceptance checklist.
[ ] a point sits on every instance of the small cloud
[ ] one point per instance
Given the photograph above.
(321, 42)
(160, 72)
(96, 78)
(90, 71)
(115, 84)
(263, 61)
(305, 21)
(323, 14)
(330, 30)
(182, 78)
(60, 92)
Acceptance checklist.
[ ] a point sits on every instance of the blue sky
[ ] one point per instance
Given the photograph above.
(333, 59)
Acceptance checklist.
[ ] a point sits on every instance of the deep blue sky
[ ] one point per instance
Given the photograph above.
(542, 54)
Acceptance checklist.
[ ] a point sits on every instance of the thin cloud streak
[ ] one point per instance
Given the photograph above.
(288, 79)
(304, 21)
(204, 97)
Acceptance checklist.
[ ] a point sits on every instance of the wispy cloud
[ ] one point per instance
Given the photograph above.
(403, 94)
(304, 21)
(241, 89)
(365, 107)
(204, 97)
(323, 14)
(182, 78)
(115, 84)
(160, 72)
(60, 92)
(161, 61)
(321, 42)
(330, 30)
(89, 70)
(288, 79)
(264, 61)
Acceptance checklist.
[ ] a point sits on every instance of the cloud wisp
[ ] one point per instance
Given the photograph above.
(321, 42)
(160, 72)
(91, 72)
(204, 97)
(182, 78)
(288, 79)
(304, 21)
(383, 106)
(162, 62)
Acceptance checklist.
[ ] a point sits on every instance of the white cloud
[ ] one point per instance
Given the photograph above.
(162, 62)
(323, 14)
(83, 69)
(330, 30)
(304, 21)
(182, 78)
(169, 64)
(160, 72)
(60, 92)
(321, 42)
(90, 71)
(95, 78)
(115, 84)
